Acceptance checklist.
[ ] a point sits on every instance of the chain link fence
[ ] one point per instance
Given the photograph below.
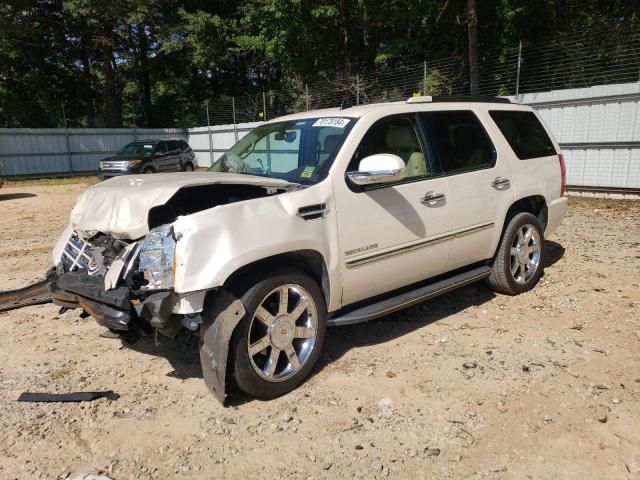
(586, 59)
(577, 61)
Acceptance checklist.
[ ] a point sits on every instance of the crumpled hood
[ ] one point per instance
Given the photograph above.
(120, 206)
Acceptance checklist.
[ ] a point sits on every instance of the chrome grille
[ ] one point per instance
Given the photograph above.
(76, 254)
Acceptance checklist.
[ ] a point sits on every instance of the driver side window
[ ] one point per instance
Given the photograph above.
(396, 135)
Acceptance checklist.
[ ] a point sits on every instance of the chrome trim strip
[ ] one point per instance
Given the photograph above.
(409, 248)
(471, 230)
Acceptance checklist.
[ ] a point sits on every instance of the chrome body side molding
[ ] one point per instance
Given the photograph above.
(414, 246)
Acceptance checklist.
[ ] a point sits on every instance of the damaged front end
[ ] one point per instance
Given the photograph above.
(126, 286)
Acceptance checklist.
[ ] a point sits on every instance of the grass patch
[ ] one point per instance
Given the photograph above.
(51, 181)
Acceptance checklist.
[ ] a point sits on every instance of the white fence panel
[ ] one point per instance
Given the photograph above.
(222, 138)
(598, 129)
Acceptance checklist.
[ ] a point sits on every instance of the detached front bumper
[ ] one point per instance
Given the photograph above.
(122, 309)
(111, 309)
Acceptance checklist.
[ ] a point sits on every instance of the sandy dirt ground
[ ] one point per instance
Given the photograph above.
(470, 385)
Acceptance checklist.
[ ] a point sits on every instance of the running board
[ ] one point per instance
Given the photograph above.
(408, 299)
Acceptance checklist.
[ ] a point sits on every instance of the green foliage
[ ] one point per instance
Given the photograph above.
(154, 63)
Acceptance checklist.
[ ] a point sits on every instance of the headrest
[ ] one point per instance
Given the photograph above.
(331, 142)
(402, 137)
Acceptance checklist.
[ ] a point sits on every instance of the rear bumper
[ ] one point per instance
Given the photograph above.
(556, 212)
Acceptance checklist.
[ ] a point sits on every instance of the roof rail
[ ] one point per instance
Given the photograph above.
(471, 98)
(420, 99)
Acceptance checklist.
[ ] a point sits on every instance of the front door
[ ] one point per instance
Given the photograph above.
(393, 235)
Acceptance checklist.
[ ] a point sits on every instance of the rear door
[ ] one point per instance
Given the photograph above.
(187, 153)
(479, 182)
(174, 156)
(397, 234)
(160, 157)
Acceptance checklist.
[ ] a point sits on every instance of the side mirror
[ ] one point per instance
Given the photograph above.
(378, 169)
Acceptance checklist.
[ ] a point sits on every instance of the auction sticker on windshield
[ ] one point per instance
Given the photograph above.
(332, 122)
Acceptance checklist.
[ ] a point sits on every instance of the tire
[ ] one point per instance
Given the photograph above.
(254, 373)
(517, 265)
(148, 169)
(188, 167)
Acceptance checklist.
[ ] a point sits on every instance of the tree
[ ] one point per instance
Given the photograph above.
(474, 60)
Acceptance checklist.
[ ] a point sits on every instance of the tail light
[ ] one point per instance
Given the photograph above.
(563, 175)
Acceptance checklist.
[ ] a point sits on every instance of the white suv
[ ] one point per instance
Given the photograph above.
(329, 217)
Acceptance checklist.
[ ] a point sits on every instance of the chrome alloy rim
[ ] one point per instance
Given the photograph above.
(282, 333)
(525, 254)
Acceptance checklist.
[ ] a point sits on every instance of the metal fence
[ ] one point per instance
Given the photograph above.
(37, 152)
(598, 129)
(582, 60)
(41, 152)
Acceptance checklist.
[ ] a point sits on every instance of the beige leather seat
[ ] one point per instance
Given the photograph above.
(402, 140)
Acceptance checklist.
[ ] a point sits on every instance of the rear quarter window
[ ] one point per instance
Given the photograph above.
(525, 133)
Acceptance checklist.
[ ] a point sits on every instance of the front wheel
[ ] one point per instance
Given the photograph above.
(518, 263)
(280, 338)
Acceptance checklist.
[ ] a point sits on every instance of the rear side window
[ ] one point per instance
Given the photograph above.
(172, 145)
(458, 140)
(525, 133)
(185, 146)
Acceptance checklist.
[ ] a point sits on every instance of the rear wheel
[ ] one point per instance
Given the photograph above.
(188, 167)
(518, 263)
(280, 338)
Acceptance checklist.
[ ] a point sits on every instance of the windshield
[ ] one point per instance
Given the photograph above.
(136, 149)
(299, 151)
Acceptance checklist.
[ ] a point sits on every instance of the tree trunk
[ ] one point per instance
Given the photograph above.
(344, 36)
(145, 82)
(87, 82)
(474, 67)
(112, 90)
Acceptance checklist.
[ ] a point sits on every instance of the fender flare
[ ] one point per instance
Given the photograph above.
(223, 313)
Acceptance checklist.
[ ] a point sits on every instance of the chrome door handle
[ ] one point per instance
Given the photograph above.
(432, 198)
(501, 183)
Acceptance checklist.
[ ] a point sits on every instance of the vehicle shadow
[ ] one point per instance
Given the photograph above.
(16, 196)
(182, 351)
(553, 252)
(340, 340)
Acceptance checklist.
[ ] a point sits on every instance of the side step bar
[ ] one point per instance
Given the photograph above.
(408, 299)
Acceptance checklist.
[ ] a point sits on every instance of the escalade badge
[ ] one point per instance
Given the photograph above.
(360, 249)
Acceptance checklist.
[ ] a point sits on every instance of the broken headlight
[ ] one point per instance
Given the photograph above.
(157, 258)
